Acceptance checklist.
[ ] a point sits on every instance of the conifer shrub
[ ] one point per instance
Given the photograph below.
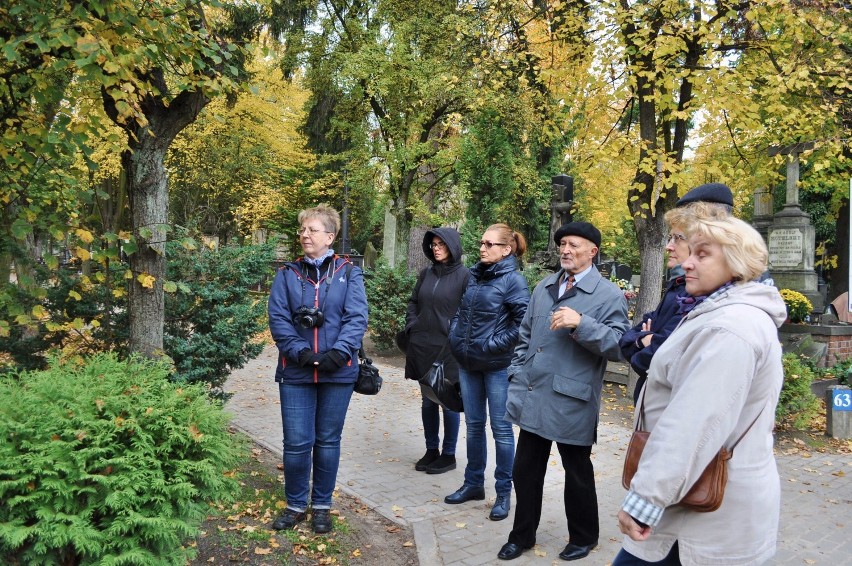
(797, 405)
(388, 290)
(108, 463)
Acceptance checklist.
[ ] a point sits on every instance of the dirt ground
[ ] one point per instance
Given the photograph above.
(241, 534)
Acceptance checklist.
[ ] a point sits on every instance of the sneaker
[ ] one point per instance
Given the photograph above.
(444, 463)
(288, 520)
(321, 521)
(430, 456)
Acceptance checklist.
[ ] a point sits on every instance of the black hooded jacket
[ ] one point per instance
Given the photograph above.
(432, 305)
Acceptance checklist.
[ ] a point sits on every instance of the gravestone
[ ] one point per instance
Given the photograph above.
(389, 236)
(791, 236)
(762, 218)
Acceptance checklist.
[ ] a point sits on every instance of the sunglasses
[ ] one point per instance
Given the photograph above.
(488, 245)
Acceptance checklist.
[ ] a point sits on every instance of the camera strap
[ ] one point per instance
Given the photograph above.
(331, 271)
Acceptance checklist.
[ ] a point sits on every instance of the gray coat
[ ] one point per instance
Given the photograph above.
(556, 376)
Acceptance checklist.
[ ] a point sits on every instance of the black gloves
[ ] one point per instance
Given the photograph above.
(327, 363)
(308, 358)
(331, 361)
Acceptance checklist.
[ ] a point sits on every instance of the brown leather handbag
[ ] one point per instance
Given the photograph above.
(707, 492)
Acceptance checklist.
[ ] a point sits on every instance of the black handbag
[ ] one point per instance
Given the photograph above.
(369, 381)
(439, 389)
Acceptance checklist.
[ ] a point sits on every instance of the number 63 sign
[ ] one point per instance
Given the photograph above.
(841, 399)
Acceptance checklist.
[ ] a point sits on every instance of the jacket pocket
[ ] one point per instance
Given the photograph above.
(571, 387)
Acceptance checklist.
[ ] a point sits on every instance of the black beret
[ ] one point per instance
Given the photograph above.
(709, 192)
(582, 229)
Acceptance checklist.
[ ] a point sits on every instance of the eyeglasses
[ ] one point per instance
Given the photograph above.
(488, 245)
(675, 238)
(308, 230)
(437, 245)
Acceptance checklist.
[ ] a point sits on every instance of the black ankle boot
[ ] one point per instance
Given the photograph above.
(430, 456)
(443, 463)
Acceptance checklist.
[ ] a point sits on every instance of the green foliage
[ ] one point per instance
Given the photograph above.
(388, 291)
(797, 405)
(213, 318)
(534, 273)
(108, 463)
(798, 305)
(211, 322)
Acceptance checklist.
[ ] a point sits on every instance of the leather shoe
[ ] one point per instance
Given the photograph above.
(288, 520)
(510, 551)
(576, 551)
(465, 493)
(501, 508)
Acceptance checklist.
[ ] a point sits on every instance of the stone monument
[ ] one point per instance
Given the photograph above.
(791, 236)
(561, 200)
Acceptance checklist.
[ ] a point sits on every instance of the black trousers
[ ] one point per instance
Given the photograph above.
(580, 497)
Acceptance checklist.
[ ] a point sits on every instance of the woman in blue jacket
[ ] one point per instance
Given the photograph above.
(483, 336)
(318, 317)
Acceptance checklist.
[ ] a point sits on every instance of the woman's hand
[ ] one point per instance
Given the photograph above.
(631, 528)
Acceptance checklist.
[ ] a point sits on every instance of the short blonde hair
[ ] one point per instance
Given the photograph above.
(742, 245)
(328, 216)
(682, 216)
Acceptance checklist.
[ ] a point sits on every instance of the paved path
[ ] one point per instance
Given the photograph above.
(383, 438)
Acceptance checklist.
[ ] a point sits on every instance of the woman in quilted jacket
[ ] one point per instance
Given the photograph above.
(483, 336)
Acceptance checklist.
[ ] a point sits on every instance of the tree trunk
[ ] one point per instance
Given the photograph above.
(148, 195)
(149, 209)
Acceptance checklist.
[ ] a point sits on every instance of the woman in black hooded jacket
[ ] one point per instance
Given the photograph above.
(431, 307)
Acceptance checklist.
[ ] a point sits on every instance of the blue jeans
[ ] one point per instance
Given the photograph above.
(624, 558)
(478, 389)
(431, 414)
(313, 416)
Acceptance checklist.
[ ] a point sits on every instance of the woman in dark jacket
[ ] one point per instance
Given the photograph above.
(317, 316)
(427, 325)
(483, 337)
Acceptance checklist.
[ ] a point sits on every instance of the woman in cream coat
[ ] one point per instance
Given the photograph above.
(717, 377)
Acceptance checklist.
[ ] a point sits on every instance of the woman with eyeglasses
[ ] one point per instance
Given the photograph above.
(714, 383)
(431, 307)
(317, 317)
(483, 336)
(640, 343)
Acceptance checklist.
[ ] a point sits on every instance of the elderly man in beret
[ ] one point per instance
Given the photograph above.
(571, 328)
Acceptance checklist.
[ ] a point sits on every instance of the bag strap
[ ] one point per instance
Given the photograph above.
(641, 418)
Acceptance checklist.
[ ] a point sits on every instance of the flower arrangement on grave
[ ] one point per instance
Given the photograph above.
(798, 305)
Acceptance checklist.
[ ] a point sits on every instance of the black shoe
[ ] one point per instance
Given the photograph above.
(288, 520)
(510, 551)
(501, 508)
(430, 456)
(444, 463)
(465, 493)
(576, 551)
(321, 521)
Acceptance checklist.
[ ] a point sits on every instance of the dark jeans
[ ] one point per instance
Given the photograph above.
(624, 558)
(431, 414)
(484, 394)
(580, 498)
(313, 416)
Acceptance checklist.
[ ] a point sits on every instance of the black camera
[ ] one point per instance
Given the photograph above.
(308, 317)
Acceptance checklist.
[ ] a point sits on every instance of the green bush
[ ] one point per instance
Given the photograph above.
(388, 291)
(797, 405)
(108, 463)
(212, 317)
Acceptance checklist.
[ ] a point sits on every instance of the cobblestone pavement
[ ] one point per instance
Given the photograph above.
(383, 438)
